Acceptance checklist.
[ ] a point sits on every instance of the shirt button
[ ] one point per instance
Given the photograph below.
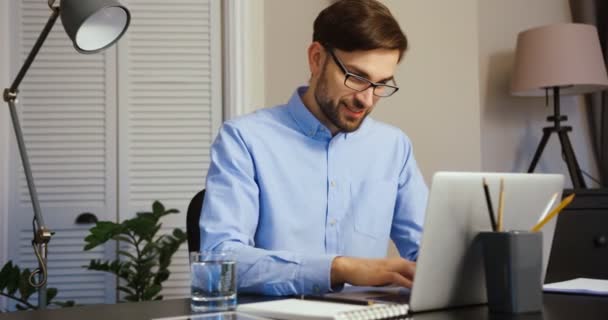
(332, 222)
(332, 183)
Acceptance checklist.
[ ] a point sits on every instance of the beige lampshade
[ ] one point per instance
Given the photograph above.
(566, 55)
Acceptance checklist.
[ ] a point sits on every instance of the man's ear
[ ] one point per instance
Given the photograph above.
(316, 55)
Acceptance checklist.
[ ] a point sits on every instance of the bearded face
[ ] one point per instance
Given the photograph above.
(346, 113)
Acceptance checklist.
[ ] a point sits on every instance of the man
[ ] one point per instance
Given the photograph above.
(308, 193)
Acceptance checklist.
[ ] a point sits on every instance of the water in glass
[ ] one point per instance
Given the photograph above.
(213, 285)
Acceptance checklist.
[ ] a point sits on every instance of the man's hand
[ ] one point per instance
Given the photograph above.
(372, 272)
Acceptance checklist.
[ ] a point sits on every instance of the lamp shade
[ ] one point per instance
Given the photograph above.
(566, 55)
(94, 25)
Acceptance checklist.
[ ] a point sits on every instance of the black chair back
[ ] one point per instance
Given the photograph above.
(192, 222)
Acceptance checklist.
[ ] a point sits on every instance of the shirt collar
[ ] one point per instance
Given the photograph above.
(309, 124)
(306, 121)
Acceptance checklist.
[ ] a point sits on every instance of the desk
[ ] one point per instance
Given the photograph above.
(556, 307)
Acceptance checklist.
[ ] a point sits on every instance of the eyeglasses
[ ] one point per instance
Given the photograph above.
(358, 83)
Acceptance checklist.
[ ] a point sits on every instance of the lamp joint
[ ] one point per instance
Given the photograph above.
(10, 95)
(558, 119)
(52, 4)
(43, 236)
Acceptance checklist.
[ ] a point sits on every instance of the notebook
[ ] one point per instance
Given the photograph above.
(314, 310)
(579, 286)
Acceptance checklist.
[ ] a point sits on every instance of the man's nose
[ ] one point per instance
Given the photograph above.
(366, 97)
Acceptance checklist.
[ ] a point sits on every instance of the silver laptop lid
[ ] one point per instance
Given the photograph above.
(449, 271)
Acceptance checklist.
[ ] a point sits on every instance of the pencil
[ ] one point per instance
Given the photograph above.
(553, 213)
(489, 202)
(501, 205)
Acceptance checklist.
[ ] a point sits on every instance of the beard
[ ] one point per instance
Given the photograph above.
(339, 118)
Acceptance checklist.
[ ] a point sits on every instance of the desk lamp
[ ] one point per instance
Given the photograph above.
(559, 59)
(92, 25)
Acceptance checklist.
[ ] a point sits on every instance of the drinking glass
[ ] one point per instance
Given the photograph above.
(213, 281)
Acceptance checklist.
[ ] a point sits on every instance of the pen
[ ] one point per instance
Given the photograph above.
(326, 298)
(489, 202)
(553, 213)
(501, 205)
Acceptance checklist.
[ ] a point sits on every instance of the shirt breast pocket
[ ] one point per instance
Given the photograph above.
(372, 206)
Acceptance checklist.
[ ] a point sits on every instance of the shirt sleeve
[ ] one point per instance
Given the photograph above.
(412, 195)
(229, 220)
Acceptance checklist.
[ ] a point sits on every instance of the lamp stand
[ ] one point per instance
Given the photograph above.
(42, 235)
(562, 131)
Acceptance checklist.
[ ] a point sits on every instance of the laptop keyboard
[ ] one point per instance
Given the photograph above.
(392, 298)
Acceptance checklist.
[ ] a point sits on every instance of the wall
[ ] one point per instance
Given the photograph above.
(511, 127)
(438, 105)
(256, 91)
(287, 34)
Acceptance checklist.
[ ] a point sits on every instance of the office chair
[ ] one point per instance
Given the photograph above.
(192, 221)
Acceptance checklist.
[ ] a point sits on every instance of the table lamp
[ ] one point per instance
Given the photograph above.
(92, 25)
(559, 59)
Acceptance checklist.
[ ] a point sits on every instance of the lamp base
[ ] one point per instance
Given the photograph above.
(562, 132)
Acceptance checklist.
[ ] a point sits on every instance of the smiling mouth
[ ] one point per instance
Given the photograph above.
(354, 113)
(352, 109)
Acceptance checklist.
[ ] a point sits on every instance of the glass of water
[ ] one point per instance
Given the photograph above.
(213, 281)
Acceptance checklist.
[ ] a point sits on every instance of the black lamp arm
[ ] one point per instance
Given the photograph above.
(30, 58)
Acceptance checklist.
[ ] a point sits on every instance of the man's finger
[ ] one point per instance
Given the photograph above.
(404, 267)
(400, 280)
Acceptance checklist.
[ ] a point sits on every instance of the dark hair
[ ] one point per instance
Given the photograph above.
(352, 25)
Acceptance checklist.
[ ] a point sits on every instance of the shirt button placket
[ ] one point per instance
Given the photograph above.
(332, 201)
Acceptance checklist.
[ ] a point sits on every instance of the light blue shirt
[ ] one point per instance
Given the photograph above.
(287, 197)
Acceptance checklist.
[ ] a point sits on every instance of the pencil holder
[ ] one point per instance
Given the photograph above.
(513, 263)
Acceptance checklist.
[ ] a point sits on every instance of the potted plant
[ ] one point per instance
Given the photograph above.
(143, 256)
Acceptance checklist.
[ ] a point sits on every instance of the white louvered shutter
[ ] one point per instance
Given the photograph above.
(170, 110)
(67, 106)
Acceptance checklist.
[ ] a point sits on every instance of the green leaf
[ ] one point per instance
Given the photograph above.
(132, 298)
(151, 291)
(25, 289)
(101, 233)
(179, 234)
(64, 304)
(127, 254)
(126, 290)
(149, 248)
(21, 307)
(161, 276)
(123, 239)
(13, 281)
(51, 293)
(5, 274)
(158, 208)
(142, 226)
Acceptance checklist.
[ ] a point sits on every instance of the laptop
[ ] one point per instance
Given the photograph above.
(449, 269)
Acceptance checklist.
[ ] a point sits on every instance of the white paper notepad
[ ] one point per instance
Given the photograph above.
(579, 285)
(313, 310)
